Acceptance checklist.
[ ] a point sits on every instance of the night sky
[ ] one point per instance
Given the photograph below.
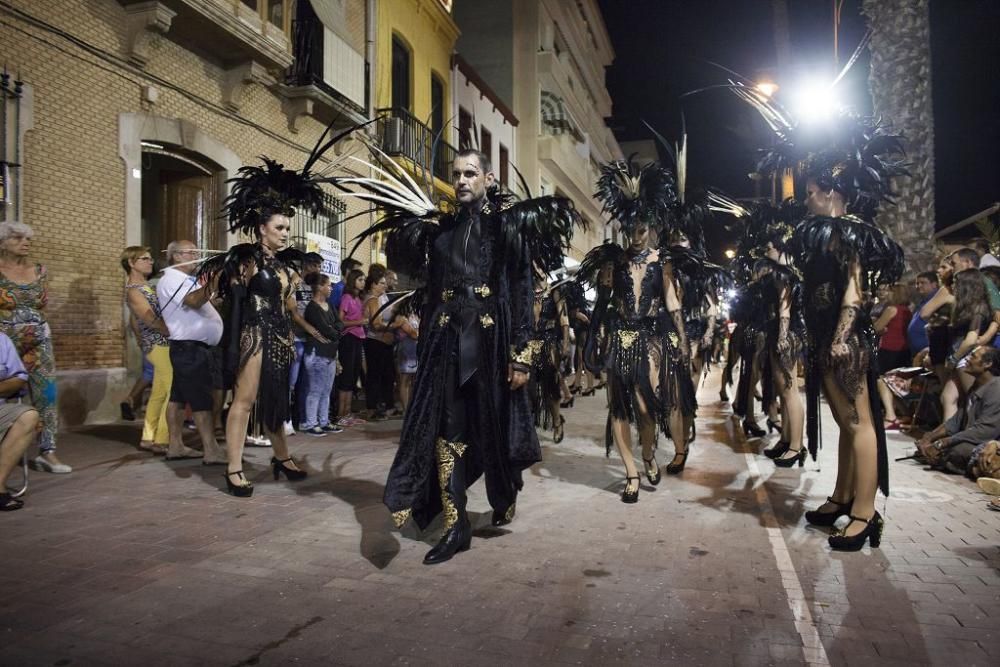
(663, 48)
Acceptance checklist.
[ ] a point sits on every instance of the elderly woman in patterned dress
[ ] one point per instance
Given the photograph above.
(24, 293)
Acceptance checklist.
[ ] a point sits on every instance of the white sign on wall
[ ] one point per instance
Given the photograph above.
(329, 250)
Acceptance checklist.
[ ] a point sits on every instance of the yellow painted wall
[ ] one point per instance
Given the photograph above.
(430, 33)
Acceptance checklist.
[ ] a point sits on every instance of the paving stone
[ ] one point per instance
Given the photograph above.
(315, 573)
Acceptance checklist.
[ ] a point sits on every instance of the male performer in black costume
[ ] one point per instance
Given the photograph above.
(469, 414)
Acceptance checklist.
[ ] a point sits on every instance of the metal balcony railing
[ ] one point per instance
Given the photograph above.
(401, 134)
(307, 69)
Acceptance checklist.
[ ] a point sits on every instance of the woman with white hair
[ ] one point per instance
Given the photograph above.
(24, 293)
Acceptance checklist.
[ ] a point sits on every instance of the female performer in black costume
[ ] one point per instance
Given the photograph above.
(257, 282)
(841, 254)
(552, 330)
(639, 307)
(579, 322)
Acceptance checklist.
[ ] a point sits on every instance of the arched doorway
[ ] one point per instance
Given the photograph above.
(180, 199)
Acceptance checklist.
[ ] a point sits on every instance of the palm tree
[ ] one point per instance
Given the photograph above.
(900, 80)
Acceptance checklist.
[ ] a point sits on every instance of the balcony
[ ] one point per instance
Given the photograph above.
(401, 134)
(227, 31)
(327, 79)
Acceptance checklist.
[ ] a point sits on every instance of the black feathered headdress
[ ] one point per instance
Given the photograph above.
(854, 155)
(636, 194)
(259, 192)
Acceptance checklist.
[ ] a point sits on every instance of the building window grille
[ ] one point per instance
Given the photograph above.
(328, 222)
(10, 145)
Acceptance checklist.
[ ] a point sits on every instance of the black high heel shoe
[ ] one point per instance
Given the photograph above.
(589, 392)
(800, 458)
(238, 490)
(773, 426)
(751, 430)
(723, 396)
(674, 468)
(574, 390)
(817, 518)
(569, 403)
(559, 431)
(777, 450)
(651, 463)
(630, 496)
(872, 533)
(292, 474)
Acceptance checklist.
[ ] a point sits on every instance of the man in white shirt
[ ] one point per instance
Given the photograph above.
(195, 329)
(986, 258)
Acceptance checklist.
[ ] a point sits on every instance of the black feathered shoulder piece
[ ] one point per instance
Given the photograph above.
(636, 194)
(845, 239)
(231, 265)
(608, 253)
(544, 224)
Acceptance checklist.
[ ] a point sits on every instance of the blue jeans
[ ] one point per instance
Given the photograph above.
(293, 376)
(316, 387)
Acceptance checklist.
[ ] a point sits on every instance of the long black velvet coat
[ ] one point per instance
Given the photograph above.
(506, 438)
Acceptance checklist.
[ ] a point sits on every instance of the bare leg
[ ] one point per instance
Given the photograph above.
(175, 426)
(204, 420)
(862, 457)
(949, 393)
(621, 430)
(19, 437)
(405, 383)
(344, 403)
(887, 400)
(792, 413)
(134, 397)
(244, 395)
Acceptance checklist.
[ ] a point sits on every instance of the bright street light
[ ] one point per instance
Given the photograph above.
(816, 103)
(767, 88)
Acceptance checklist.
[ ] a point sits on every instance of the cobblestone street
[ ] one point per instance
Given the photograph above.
(132, 560)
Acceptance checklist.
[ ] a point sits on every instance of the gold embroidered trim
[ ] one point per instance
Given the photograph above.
(527, 355)
(446, 465)
(674, 339)
(486, 321)
(628, 338)
(446, 453)
(400, 517)
(483, 291)
(509, 515)
(443, 319)
(447, 295)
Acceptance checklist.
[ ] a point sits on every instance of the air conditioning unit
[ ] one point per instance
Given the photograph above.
(393, 137)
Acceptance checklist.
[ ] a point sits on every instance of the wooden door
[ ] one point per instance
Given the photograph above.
(190, 210)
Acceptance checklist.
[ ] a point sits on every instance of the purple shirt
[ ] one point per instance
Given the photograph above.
(10, 364)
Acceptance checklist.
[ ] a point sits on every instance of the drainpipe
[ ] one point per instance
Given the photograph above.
(371, 6)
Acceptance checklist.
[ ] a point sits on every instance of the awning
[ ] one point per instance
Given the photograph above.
(555, 118)
(331, 14)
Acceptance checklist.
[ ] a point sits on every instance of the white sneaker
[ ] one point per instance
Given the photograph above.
(56, 468)
(289, 429)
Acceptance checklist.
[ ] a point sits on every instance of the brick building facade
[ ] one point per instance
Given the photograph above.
(119, 89)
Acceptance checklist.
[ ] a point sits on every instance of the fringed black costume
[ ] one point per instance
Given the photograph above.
(259, 322)
(828, 250)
